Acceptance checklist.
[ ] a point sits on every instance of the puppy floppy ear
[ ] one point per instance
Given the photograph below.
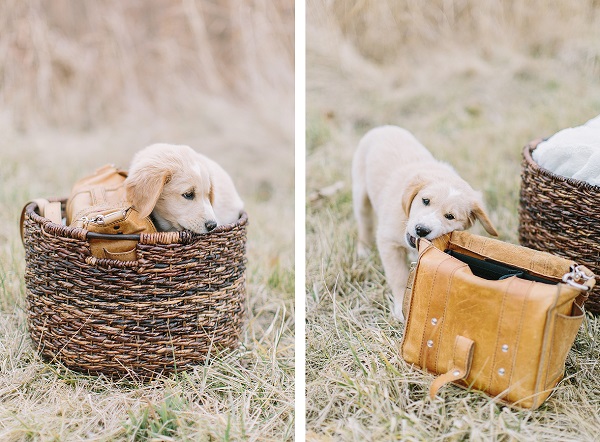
(415, 185)
(211, 192)
(144, 187)
(479, 213)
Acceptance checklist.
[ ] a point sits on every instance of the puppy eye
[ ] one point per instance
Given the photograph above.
(425, 201)
(189, 195)
(449, 216)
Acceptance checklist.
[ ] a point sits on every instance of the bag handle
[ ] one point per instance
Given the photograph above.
(50, 210)
(460, 365)
(582, 279)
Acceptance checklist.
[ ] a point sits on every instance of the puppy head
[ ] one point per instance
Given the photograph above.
(173, 183)
(434, 208)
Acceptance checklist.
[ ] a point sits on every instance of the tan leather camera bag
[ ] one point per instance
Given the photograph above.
(493, 316)
(98, 203)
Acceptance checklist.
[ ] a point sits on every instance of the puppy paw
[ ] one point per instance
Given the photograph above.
(363, 251)
(397, 312)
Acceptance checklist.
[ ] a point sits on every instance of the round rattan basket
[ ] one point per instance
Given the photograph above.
(179, 302)
(559, 215)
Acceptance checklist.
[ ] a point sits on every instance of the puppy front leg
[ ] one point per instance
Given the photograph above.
(393, 258)
(363, 212)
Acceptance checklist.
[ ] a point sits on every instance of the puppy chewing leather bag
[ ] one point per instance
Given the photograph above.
(98, 203)
(492, 316)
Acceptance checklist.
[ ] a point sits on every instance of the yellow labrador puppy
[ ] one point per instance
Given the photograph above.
(412, 195)
(181, 189)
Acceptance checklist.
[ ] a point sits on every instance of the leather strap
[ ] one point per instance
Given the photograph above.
(47, 209)
(53, 212)
(590, 282)
(129, 255)
(408, 291)
(461, 365)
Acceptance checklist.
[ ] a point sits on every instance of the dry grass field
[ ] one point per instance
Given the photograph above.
(474, 81)
(84, 83)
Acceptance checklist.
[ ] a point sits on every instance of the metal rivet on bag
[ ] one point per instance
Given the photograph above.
(434, 321)
(430, 343)
(455, 373)
(505, 348)
(501, 372)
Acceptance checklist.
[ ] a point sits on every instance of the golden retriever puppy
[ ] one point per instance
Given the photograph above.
(181, 189)
(396, 180)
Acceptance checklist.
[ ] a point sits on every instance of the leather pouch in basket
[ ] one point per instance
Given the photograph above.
(493, 316)
(98, 203)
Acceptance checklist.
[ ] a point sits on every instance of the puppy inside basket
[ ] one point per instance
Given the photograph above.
(169, 188)
(181, 189)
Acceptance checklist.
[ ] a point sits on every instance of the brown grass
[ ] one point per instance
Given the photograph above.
(474, 81)
(80, 62)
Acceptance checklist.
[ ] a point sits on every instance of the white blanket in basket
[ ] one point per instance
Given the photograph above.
(573, 152)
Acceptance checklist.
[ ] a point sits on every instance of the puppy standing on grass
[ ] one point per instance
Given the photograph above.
(181, 189)
(396, 179)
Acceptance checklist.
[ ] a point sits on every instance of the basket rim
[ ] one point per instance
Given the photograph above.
(531, 146)
(180, 237)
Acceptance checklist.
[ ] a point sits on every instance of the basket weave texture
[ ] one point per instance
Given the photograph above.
(182, 300)
(560, 215)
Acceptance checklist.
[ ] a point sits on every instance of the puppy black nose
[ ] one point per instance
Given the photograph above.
(210, 225)
(422, 231)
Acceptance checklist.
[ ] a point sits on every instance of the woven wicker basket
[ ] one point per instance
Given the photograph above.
(182, 300)
(560, 215)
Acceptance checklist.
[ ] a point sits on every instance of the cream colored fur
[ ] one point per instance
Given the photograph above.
(182, 189)
(397, 181)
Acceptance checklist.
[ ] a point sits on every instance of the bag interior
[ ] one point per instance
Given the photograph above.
(493, 270)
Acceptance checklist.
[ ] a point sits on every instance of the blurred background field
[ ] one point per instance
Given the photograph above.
(474, 81)
(85, 83)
